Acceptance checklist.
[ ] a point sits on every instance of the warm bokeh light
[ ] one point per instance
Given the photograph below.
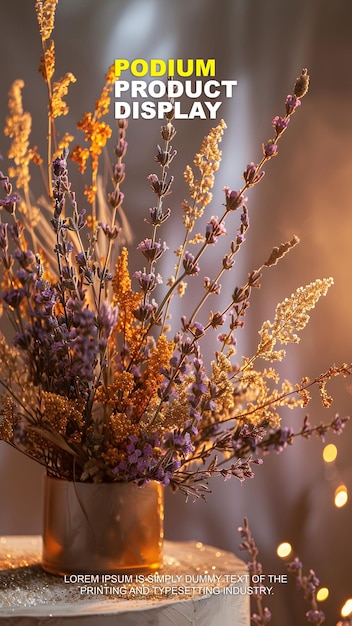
(347, 608)
(322, 594)
(341, 496)
(330, 453)
(284, 549)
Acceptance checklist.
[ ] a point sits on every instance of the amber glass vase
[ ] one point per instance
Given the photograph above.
(104, 527)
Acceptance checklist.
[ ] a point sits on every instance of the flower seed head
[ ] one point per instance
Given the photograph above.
(302, 84)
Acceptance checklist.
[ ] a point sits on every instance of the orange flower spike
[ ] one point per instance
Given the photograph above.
(159, 358)
(80, 155)
(117, 393)
(58, 106)
(101, 133)
(103, 103)
(86, 123)
(90, 192)
(96, 132)
(18, 128)
(45, 11)
(47, 62)
(121, 282)
(127, 302)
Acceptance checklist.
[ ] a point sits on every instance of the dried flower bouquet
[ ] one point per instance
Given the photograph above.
(97, 382)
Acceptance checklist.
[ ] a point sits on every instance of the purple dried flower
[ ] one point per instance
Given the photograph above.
(261, 620)
(321, 431)
(107, 318)
(295, 566)
(228, 262)
(280, 123)
(179, 442)
(168, 132)
(338, 424)
(234, 199)
(160, 187)
(211, 285)
(13, 297)
(251, 174)
(291, 103)
(9, 202)
(278, 440)
(164, 157)
(214, 229)
(197, 329)
(59, 166)
(190, 265)
(121, 148)
(187, 346)
(116, 198)
(81, 259)
(134, 456)
(25, 258)
(148, 282)
(270, 149)
(314, 616)
(152, 250)
(145, 311)
(119, 173)
(157, 215)
(111, 232)
(228, 339)
(217, 319)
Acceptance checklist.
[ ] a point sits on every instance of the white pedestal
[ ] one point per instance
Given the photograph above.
(198, 586)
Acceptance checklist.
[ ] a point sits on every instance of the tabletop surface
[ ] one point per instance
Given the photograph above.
(195, 578)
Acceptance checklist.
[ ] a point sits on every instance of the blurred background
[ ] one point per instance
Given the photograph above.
(306, 191)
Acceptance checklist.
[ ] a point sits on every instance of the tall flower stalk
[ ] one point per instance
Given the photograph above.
(307, 583)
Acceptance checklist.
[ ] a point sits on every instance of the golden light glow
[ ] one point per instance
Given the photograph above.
(347, 608)
(322, 594)
(330, 453)
(284, 549)
(341, 496)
